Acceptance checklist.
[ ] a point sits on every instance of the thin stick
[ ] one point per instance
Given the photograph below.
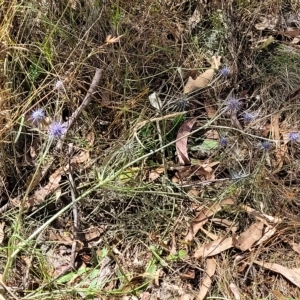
(75, 209)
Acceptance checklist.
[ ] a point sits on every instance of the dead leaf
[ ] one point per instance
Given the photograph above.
(246, 240)
(185, 172)
(194, 19)
(268, 22)
(110, 39)
(290, 32)
(33, 179)
(189, 274)
(207, 280)
(268, 232)
(81, 157)
(186, 297)
(210, 110)
(203, 217)
(90, 138)
(213, 248)
(154, 174)
(296, 247)
(40, 195)
(235, 291)
(203, 79)
(278, 295)
(292, 275)
(181, 145)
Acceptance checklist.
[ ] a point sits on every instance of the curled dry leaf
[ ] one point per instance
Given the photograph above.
(203, 217)
(253, 234)
(213, 248)
(203, 79)
(292, 275)
(268, 22)
(181, 144)
(110, 39)
(207, 280)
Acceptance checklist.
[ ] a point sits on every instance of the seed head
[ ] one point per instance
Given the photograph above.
(225, 71)
(37, 115)
(57, 129)
(233, 104)
(294, 137)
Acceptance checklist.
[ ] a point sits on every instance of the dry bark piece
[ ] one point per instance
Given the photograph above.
(249, 237)
(203, 217)
(207, 280)
(181, 144)
(214, 247)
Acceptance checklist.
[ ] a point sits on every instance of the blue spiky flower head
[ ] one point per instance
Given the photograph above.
(265, 146)
(225, 71)
(57, 130)
(249, 116)
(294, 136)
(37, 115)
(223, 142)
(233, 104)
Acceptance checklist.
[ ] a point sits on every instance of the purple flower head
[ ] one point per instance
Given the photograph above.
(37, 115)
(294, 137)
(249, 117)
(225, 71)
(265, 146)
(233, 104)
(57, 129)
(223, 142)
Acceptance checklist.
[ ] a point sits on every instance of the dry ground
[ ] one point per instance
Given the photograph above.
(150, 149)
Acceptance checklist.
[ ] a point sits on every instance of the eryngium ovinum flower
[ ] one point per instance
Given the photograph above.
(233, 104)
(225, 71)
(249, 116)
(57, 130)
(294, 136)
(37, 115)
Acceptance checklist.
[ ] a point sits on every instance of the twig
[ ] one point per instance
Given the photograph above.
(75, 210)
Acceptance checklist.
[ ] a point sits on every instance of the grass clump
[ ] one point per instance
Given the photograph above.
(93, 200)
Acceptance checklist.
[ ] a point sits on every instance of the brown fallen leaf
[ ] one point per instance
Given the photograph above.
(207, 280)
(295, 247)
(181, 145)
(213, 248)
(210, 110)
(203, 217)
(40, 195)
(246, 240)
(292, 275)
(235, 291)
(203, 79)
(194, 19)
